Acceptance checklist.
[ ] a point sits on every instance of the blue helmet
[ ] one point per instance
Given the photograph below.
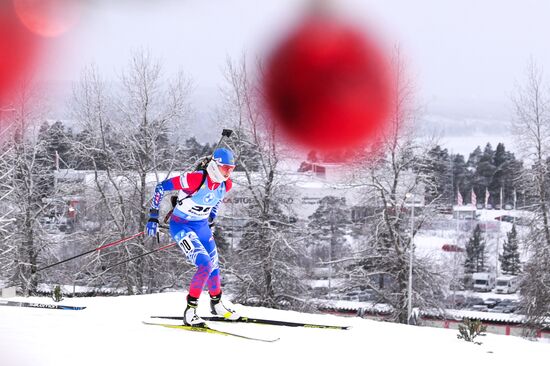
(223, 156)
(221, 165)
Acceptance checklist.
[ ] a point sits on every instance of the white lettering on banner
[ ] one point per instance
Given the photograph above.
(250, 200)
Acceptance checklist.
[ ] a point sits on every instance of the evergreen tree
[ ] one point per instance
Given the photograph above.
(196, 150)
(474, 159)
(460, 175)
(484, 171)
(507, 172)
(509, 260)
(57, 140)
(328, 229)
(475, 253)
(438, 175)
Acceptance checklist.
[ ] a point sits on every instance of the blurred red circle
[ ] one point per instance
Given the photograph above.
(327, 85)
(48, 18)
(18, 51)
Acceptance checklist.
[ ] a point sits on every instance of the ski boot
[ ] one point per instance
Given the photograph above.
(190, 316)
(219, 309)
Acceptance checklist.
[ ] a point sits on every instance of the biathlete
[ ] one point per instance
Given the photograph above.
(200, 194)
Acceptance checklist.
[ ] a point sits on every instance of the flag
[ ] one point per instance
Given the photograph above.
(487, 195)
(459, 200)
(473, 198)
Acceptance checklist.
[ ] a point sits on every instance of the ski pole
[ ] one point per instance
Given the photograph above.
(105, 269)
(93, 250)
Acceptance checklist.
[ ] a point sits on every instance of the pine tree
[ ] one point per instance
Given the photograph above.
(505, 177)
(484, 171)
(470, 329)
(438, 171)
(328, 228)
(57, 141)
(475, 253)
(509, 260)
(460, 177)
(474, 158)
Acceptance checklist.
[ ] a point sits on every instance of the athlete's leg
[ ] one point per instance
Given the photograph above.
(187, 239)
(205, 236)
(214, 284)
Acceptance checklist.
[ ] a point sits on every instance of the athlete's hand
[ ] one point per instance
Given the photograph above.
(152, 226)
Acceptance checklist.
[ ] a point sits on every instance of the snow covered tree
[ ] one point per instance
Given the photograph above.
(195, 150)
(531, 128)
(507, 172)
(267, 256)
(475, 253)
(26, 171)
(328, 231)
(438, 168)
(58, 141)
(509, 260)
(396, 179)
(127, 145)
(484, 171)
(460, 175)
(474, 158)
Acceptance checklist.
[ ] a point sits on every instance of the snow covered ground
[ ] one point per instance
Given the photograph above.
(110, 332)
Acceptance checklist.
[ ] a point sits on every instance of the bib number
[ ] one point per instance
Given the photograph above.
(200, 210)
(186, 245)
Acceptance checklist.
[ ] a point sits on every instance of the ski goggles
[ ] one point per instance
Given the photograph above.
(225, 169)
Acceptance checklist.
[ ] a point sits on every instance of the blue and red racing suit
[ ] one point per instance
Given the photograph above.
(189, 224)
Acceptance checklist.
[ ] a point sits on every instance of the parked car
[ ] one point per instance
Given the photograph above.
(480, 308)
(457, 300)
(500, 309)
(472, 301)
(510, 306)
(506, 218)
(452, 248)
(491, 303)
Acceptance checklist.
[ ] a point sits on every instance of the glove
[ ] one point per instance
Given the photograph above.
(152, 226)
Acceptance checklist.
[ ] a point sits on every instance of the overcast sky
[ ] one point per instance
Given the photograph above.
(464, 55)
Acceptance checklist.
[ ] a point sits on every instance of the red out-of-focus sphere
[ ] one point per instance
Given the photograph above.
(18, 51)
(327, 85)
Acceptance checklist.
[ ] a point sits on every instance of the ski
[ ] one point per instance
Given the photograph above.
(261, 321)
(208, 329)
(40, 306)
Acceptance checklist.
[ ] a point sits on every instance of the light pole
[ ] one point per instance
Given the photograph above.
(411, 250)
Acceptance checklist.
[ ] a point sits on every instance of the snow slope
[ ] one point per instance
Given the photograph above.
(110, 332)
